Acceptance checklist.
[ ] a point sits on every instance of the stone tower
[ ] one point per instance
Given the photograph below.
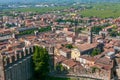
(2, 73)
(76, 25)
(90, 36)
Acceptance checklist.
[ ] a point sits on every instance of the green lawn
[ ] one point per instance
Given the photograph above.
(43, 9)
(99, 10)
(103, 10)
(39, 10)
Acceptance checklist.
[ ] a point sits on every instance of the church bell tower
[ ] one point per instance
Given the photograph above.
(90, 36)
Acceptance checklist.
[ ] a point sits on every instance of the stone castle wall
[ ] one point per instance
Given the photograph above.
(18, 66)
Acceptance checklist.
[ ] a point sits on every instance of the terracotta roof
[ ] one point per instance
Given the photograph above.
(117, 43)
(109, 27)
(58, 46)
(109, 49)
(5, 31)
(59, 59)
(69, 63)
(108, 46)
(65, 50)
(30, 37)
(89, 58)
(86, 46)
(104, 63)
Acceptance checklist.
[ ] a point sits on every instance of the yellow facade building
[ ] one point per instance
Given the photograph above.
(75, 54)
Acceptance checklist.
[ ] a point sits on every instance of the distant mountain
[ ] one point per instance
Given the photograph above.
(35, 1)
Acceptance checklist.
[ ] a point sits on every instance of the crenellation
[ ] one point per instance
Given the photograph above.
(13, 63)
(18, 56)
(32, 49)
(24, 51)
(27, 51)
(8, 60)
(13, 58)
(22, 54)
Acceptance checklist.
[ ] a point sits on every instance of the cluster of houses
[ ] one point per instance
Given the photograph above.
(69, 48)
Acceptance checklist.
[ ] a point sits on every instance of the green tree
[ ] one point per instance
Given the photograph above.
(79, 30)
(48, 28)
(96, 29)
(59, 68)
(113, 33)
(69, 46)
(95, 52)
(94, 69)
(41, 62)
